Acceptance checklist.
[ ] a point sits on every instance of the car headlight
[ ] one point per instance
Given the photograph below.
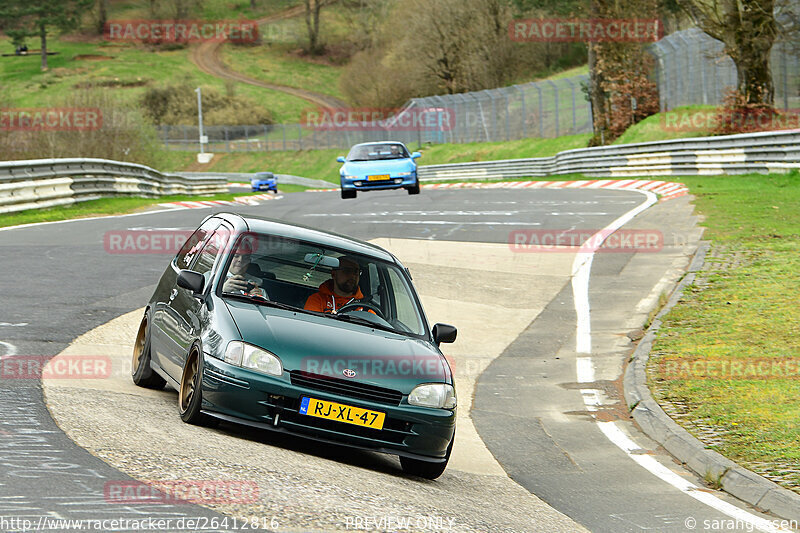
(350, 177)
(249, 356)
(437, 395)
(405, 173)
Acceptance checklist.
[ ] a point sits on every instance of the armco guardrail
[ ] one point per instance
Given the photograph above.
(730, 154)
(50, 182)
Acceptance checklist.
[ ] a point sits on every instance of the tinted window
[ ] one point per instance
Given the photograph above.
(195, 242)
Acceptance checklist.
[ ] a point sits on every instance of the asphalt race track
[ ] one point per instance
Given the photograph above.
(531, 453)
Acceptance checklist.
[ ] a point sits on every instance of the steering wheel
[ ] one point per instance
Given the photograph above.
(366, 305)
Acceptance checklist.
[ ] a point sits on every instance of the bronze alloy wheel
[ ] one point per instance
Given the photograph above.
(188, 382)
(138, 347)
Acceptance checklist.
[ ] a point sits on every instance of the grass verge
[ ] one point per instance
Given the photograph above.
(321, 164)
(108, 206)
(726, 363)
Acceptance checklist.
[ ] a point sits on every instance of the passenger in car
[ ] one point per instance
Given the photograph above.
(341, 289)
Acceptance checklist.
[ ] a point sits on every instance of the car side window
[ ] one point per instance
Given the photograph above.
(194, 243)
(404, 303)
(210, 252)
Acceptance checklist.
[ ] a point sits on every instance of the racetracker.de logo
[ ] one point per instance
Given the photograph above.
(58, 367)
(180, 491)
(750, 120)
(585, 30)
(145, 241)
(181, 31)
(582, 241)
(735, 368)
(418, 367)
(380, 119)
(50, 119)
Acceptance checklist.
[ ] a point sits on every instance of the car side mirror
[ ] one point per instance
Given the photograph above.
(340, 159)
(415, 155)
(191, 280)
(444, 333)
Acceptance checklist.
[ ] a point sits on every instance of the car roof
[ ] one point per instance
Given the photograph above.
(377, 142)
(305, 233)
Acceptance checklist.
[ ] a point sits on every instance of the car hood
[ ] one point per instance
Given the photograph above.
(327, 346)
(387, 166)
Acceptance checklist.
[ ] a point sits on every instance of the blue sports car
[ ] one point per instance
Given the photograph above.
(264, 181)
(378, 165)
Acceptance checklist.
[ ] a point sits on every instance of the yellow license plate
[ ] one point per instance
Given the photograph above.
(379, 177)
(342, 413)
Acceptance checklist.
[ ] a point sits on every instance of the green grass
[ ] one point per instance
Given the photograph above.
(321, 164)
(110, 206)
(132, 68)
(278, 63)
(745, 313)
(675, 124)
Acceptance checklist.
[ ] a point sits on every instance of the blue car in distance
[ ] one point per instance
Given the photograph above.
(264, 181)
(378, 165)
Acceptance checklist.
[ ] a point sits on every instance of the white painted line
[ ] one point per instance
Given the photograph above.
(622, 441)
(451, 222)
(584, 369)
(10, 349)
(581, 267)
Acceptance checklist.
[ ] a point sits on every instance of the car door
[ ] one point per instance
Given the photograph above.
(189, 312)
(165, 328)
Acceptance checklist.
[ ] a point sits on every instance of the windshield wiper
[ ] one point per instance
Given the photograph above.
(362, 321)
(358, 159)
(261, 300)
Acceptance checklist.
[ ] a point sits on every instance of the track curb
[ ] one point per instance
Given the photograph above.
(733, 479)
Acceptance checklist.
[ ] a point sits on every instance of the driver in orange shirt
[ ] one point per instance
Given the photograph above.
(341, 289)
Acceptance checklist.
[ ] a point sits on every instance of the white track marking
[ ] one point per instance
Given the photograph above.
(582, 266)
(584, 368)
(10, 349)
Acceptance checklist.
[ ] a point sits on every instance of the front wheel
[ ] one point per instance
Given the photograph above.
(424, 469)
(141, 373)
(190, 395)
(414, 189)
(348, 193)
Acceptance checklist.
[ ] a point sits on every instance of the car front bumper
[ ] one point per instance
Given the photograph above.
(361, 184)
(242, 396)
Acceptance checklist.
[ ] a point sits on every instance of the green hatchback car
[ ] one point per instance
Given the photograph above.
(301, 331)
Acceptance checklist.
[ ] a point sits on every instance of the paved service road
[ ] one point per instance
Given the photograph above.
(517, 327)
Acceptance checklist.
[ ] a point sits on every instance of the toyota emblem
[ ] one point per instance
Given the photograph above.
(348, 373)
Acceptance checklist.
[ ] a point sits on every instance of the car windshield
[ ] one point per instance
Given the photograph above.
(342, 285)
(374, 152)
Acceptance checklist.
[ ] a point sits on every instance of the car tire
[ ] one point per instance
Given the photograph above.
(414, 189)
(425, 469)
(348, 193)
(141, 372)
(190, 395)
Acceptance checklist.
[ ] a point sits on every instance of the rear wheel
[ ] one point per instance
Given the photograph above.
(141, 373)
(414, 189)
(348, 193)
(190, 396)
(416, 467)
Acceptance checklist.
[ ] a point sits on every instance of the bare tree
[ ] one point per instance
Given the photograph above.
(313, 9)
(748, 30)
